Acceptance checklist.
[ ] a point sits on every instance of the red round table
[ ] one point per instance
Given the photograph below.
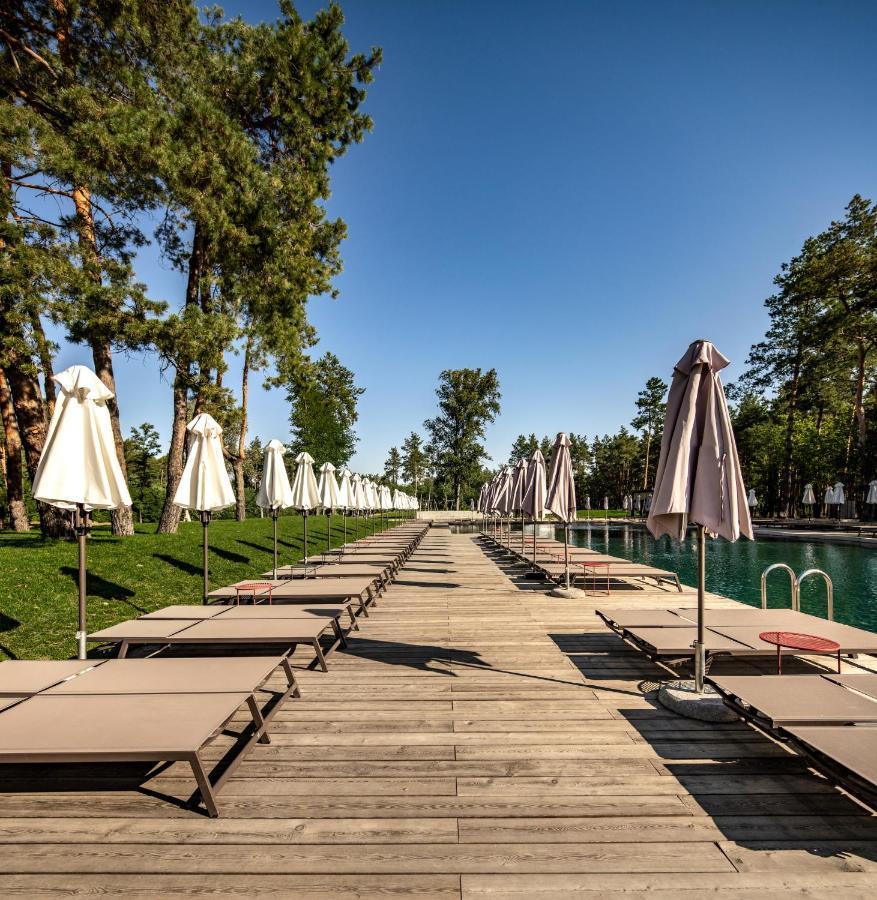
(793, 640)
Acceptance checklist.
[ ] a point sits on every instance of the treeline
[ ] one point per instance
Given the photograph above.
(805, 411)
(123, 124)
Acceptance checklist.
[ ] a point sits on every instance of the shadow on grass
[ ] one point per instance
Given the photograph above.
(230, 555)
(7, 623)
(103, 588)
(269, 548)
(180, 564)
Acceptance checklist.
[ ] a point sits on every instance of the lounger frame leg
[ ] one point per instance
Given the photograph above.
(318, 652)
(204, 786)
(258, 720)
(290, 677)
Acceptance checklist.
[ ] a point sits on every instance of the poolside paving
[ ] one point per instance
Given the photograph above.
(478, 738)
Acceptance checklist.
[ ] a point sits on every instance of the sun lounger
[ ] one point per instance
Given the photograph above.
(156, 710)
(846, 754)
(621, 619)
(22, 678)
(606, 568)
(287, 632)
(360, 590)
(784, 700)
(248, 610)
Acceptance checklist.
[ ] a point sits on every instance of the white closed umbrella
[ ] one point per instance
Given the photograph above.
(561, 497)
(839, 497)
(345, 495)
(809, 498)
(78, 469)
(698, 478)
(274, 491)
(516, 495)
(305, 492)
(359, 498)
(328, 490)
(205, 486)
(371, 500)
(751, 499)
(872, 492)
(533, 503)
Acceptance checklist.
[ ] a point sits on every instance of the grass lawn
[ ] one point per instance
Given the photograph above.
(133, 575)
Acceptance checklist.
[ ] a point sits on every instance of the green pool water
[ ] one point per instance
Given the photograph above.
(734, 570)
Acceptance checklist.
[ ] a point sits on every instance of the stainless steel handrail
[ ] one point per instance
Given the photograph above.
(829, 588)
(793, 581)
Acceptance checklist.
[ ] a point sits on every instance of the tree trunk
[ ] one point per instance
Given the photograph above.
(788, 447)
(648, 453)
(18, 517)
(170, 513)
(242, 437)
(46, 365)
(859, 405)
(102, 355)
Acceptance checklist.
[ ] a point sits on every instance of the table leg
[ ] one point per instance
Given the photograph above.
(779, 660)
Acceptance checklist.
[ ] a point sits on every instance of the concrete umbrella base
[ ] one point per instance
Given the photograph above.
(681, 697)
(570, 593)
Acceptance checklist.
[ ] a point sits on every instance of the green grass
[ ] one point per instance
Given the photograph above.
(130, 576)
(601, 514)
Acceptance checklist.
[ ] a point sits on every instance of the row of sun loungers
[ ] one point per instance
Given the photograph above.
(163, 709)
(593, 569)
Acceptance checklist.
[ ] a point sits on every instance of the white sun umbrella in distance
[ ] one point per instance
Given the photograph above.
(373, 503)
(828, 499)
(274, 490)
(305, 491)
(78, 468)
(561, 496)
(872, 492)
(534, 493)
(501, 494)
(385, 502)
(345, 495)
(751, 499)
(809, 498)
(839, 497)
(205, 486)
(328, 490)
(359, 498)
(698, 477)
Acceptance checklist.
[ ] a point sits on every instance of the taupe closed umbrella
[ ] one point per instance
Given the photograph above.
(561, 499)
(502, 498)
(698, 478)
(533, 503)
(519, 484)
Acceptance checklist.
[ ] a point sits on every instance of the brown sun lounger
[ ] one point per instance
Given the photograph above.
(621, 619)
(253, 611)
(863, 682)
(606, 568)
(24, 677)
(286, 632)
(338, 590)
(783, 700)
(151, 710)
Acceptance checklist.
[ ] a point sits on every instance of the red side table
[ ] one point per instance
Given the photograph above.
(254, 588)
(793, 640)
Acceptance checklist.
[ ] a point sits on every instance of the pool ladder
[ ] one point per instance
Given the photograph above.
(795, 582)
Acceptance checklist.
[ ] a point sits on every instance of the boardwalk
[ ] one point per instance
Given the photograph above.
(478, 739)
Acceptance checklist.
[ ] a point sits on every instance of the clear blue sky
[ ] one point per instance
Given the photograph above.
(569, 192)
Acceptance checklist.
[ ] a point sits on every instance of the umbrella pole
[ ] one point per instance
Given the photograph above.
(329, 531)
(699, 655)
(274, 512)
(81, 536)
(305, 514)
(566, 551)
(205, 522)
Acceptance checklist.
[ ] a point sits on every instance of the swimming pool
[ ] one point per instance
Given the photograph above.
(734, 570)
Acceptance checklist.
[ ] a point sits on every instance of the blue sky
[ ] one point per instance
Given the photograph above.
(569, 192)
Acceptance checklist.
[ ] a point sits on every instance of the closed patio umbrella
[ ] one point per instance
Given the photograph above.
(561, 496)
(205, 486)
(78, 469)
(359, 498)
(274, 490)
(502, 496)
(872, 492)
(345, 495)
(809, 498)
(305, 491)
(518, 486)
(839, 497)
(534, 494)
(751, 499)
(328, 490)
(698, 478)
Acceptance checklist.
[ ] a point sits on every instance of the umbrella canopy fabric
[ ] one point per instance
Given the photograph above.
(204, 485)
(305, 491)
(79, 464)
(345, 489)
(358, 491)
(809, 497)
(371, 494)
(501, 499)
(698, 477)
(751, 499)
(839, 496)
(481, 494)
(872, 492)
(605, 503)
(274, 490)
(518, 486)
(828, 497)
(587, 501)
(385, 499)
(533, 503)
(561, 498)
(328, 487)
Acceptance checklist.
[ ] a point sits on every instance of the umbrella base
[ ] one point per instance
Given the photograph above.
(570, 593)
(682, 698)
(533, 575)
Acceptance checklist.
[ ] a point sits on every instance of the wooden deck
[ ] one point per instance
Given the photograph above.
(478, 739)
